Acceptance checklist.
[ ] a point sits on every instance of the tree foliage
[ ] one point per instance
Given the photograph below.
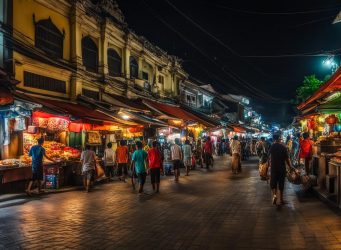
(309, 85)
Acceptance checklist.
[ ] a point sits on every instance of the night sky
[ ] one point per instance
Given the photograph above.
(216, 39)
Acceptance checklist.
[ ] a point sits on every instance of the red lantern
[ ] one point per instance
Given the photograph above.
(332, 119)
(311, 124)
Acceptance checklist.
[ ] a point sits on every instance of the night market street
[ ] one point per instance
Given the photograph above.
(213, 210)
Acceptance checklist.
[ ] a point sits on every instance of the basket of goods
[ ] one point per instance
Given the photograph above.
(263, 171)
(294, 176)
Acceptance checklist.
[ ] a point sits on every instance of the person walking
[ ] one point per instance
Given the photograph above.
(235, 146)
(122, 157)
(176, 156)
(187, 153)
(279, 157)
(109, 161)
(88, 161)
(208, 150)
(305, 152)
(155, 166)
(198, 153)
(138, 162)
(37, 152)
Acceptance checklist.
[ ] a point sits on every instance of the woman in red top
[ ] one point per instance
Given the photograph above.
(155, 166)
(305, 152)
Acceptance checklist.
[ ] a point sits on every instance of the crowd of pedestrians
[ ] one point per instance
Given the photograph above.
(154, 159)
(150, 159)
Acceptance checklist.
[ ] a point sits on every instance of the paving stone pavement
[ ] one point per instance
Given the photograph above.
(207, 210)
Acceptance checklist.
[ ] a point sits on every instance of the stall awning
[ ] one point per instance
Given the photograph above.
(238, 128)
(137, 117)
(6, 96)
(177, 112)
(79, 112)
(333, 84)
(123, 102)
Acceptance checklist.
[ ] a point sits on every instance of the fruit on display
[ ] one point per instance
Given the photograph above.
(56, 151)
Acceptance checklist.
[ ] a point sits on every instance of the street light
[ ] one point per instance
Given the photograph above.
(330, 63)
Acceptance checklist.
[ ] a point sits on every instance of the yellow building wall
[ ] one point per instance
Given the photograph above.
(23, 11)
(36, 67)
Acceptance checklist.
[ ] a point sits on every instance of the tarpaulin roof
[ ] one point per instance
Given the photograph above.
(333, 84)
(76, 110)
(6, 96)
(144, 119)
(238, 128)
(178, 112)
(124, 102)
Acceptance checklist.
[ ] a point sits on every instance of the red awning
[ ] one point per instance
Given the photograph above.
(6, 96)
(177, 112)
(85, 114)
(238, 129)
(333, 84)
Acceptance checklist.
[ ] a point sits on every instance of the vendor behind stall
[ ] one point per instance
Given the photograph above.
(306, 151)
(37, 153)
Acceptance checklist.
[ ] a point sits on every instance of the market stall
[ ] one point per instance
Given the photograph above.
(320, 117)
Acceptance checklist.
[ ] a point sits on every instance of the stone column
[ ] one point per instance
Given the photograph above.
(75, 35)
(126, 59)
(103, 51)
(139, 62)
(76, 86)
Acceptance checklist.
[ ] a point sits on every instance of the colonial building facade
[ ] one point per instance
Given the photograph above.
(64, 49)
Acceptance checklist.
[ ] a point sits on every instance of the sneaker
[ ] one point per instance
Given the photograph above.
(274, 200)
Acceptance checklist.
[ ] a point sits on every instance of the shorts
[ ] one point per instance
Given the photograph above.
(122, 168)
(37, 176)
(141, 177)
(277, 179)
(188, 161)
(155, 175)
(176, 164)
(89, 174)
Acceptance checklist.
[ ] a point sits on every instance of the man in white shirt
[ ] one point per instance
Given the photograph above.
(176, 156)
(109, 161)
(88, 160)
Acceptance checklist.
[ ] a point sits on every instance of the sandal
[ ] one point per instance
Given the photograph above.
(274, 200)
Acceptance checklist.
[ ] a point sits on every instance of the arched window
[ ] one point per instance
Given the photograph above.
(90, 54)
(134, 67)
(114, 63)
(49, 38)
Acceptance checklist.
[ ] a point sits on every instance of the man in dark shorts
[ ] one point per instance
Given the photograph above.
(122, 156)
(278, 158)
(138, 161)
(37, 152)
(155, 166)
(176, 156)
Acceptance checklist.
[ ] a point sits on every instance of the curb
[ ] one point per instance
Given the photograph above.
(324, 198)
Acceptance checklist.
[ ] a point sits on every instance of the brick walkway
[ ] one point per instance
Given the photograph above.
(213, 210)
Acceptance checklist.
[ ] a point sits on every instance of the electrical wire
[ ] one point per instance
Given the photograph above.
(249, 87)
(223, 44)
(314, 21)
(279, 13)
